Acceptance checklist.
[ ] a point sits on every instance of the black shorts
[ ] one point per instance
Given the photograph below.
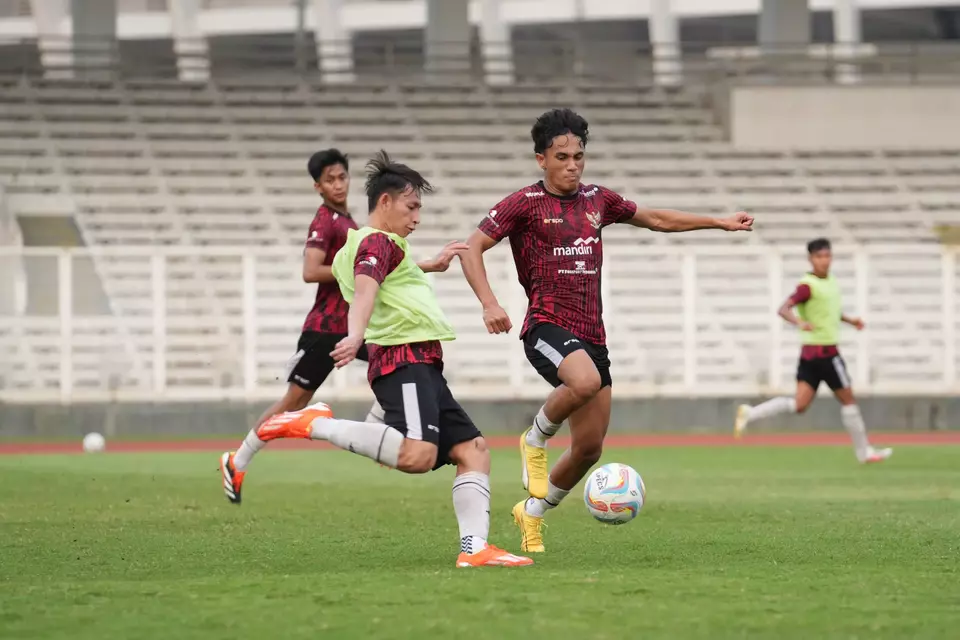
(832, 370)
(417, 402)
(311, 364)
(546, 345)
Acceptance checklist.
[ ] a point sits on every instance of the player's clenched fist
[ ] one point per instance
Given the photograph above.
(740, 221)
(496, 319)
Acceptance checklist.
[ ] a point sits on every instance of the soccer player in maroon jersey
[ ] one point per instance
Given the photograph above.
(554, 227)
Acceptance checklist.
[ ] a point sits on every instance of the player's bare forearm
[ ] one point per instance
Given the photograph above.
(313, 268)
(426, 266)
(786, 312)
(321, 274)
(672, 221)
(471, 261)
(364, 297)
(853, 321)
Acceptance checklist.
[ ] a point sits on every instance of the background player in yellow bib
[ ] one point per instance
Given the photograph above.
(819, 314)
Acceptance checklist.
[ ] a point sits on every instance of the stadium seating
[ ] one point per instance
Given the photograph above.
(200, 170)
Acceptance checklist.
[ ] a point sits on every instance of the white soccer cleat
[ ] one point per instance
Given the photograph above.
(876, 455)
(740, 422)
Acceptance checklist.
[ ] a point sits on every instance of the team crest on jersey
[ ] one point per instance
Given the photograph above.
(594, 219)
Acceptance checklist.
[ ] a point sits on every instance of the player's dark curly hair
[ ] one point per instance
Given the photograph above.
(386, 176)
(556, 123)
(818, 244)
(323, 159)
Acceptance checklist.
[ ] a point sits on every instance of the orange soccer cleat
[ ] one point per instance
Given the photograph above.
(293, 424)
(232, 479)
(491, 556)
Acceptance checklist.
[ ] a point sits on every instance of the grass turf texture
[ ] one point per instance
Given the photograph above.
(787, 543)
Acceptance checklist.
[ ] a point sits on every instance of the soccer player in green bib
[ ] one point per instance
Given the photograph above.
(819, 314)
(394, 310)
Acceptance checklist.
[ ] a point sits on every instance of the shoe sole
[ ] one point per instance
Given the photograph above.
(228, 490)
(878, 459)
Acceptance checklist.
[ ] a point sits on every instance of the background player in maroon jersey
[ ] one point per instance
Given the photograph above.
(554, 228)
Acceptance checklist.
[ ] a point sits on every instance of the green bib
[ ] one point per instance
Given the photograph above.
(823, 310)
(406, 308)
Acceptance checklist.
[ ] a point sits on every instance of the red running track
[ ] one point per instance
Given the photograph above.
(499, 442)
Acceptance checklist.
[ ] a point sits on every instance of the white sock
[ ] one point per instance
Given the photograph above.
(772, 407)
(249, 448)
(539, 506)
(471, 502)
(853, 423)
(375, 414)
(543, 429)
(375, 441)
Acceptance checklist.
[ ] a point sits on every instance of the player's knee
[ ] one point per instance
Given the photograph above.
(802, 406)
(417, 457)
(472, 455)
(585, 384)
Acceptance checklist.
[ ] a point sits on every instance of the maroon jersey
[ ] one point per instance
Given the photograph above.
(812, 351)
(377, 256)
(558, 252)
(328, 232)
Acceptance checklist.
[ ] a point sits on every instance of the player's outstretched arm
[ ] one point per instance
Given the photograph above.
(671, 221)
(471, 260)
(364, 295)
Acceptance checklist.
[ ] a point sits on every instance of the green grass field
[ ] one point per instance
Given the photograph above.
(733, 542)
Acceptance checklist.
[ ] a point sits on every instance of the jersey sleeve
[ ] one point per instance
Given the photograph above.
(616, 208)
(377, 257)
(321, 232)
(506, 218)
(800, 295)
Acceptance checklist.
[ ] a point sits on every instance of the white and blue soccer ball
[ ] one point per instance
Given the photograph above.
(614, 493)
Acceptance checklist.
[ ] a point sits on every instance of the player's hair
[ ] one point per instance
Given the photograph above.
(323, 159)
(818, 244)
(386, 176)
(557, 122)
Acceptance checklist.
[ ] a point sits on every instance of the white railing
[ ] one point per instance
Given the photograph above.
(192, 323)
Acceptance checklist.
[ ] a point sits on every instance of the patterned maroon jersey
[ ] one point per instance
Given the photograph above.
(377, 256)
(328, 232)
(558, 252)
(811, 351)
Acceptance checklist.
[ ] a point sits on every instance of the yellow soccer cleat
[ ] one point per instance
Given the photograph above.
(533, 469)
(740, 422)
(531, 537)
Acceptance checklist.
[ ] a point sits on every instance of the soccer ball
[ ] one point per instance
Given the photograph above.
(614, 493)
(94, 443)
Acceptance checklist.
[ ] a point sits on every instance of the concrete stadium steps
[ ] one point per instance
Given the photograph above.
(160, 163)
